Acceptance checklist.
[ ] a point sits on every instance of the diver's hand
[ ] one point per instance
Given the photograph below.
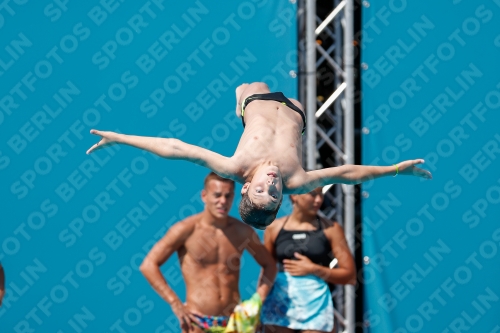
(107, 139)
(408, 168)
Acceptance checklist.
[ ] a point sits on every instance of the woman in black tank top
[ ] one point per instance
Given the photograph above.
(303, 246)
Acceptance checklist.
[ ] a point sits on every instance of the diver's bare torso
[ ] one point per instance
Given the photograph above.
(272, 136)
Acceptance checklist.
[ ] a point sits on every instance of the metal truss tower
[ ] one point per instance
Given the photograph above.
(326, 86)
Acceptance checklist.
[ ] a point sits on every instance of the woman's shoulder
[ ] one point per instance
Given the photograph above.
(331, 227)
(275, 227)
(277, 224)
(327, 223)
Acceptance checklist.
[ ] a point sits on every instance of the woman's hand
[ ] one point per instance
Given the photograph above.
(299, 267)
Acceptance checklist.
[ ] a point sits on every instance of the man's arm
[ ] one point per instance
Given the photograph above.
(355, 174)
(158, 255)
(2, 283)
(265, 260)
(173, 149)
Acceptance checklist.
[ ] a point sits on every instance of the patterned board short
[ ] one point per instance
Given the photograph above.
(212, 324)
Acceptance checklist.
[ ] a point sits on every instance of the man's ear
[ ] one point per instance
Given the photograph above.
(245, 188)
(204, 196)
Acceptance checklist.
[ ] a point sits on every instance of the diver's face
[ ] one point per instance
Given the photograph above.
(265, 189)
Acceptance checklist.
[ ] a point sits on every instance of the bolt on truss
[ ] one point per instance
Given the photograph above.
(326, 85)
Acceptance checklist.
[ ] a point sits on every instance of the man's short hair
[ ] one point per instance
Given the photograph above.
(254, 215)
(214, 176)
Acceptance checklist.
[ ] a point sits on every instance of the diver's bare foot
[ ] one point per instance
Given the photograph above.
(239, 92)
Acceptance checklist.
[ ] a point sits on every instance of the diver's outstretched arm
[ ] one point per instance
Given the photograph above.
(355, 174)
(168, 148)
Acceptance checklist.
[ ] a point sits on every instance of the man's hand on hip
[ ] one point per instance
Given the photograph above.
(184, 315)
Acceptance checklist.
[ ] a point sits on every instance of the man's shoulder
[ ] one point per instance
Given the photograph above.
(239, 225)
(240, 229)
(189, 221)
(186, 227)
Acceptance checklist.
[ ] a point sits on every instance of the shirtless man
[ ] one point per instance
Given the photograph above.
(268, 157)
(209, 246)
(2, 283)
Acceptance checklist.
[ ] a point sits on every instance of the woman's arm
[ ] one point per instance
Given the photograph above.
(345, 272)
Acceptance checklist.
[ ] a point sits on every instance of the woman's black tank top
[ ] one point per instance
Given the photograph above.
(310, 243)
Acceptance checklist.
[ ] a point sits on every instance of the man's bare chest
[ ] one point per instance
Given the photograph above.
(209, 250)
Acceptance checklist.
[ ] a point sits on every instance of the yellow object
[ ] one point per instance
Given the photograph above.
(246, 316)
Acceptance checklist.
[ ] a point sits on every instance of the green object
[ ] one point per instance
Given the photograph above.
(215, 329)
(245, 316)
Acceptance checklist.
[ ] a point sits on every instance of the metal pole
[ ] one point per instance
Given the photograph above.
(311, 83)
(338, 111)
(302, 69)
(349, 150)
(337, 26)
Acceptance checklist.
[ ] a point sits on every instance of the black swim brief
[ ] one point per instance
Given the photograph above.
(276, 96)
